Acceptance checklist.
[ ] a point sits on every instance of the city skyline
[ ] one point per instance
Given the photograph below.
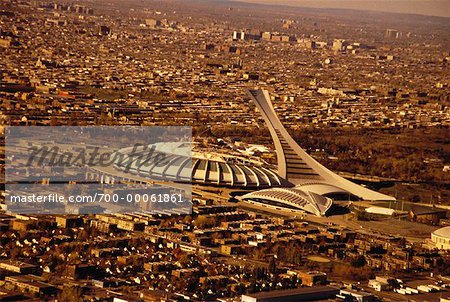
(439, 8)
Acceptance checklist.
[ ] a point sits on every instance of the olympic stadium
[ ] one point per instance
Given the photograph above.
(170, 162)
(300, 182)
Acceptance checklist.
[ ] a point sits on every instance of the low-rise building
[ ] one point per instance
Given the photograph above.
(297, 294)
(18, 267)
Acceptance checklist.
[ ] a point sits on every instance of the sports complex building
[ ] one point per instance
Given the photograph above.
(441, 238)
(300, 182)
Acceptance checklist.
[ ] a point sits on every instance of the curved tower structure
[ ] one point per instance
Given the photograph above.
(298, 167)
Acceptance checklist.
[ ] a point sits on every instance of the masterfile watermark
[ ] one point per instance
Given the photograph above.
(144, 155)
(97, 198)
(57, 170)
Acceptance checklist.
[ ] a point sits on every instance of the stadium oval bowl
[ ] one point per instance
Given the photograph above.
(173, 162)
(294, 198)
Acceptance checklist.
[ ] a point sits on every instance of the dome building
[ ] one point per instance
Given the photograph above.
(441, 238)
(171, 162)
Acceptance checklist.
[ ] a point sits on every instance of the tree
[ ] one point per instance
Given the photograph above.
(360, 261)
(272, 265)
(70, 293)
(202, 222)
(415, 198)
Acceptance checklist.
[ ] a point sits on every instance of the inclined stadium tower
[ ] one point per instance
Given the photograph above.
(298, 167)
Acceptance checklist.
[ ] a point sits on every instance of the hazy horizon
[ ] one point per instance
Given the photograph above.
(440, 8)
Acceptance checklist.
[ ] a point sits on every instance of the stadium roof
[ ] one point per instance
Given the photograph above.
(174, 164)
(443, 232)
(293, 197)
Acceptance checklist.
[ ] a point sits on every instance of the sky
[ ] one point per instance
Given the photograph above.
(423, 7)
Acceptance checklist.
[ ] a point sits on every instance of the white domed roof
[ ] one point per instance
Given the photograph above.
(443, 232)
(174, 162)
(293, 197)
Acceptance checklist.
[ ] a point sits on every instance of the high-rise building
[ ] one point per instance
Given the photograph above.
(338, 45)
(238, 35)
(152, 23)
(392, 33)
